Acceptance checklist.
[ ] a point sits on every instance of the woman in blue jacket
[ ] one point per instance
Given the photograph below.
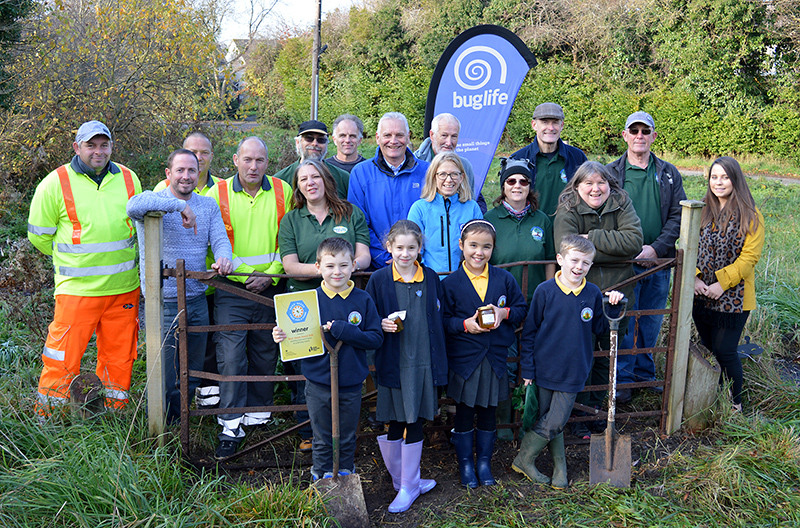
(446, 204)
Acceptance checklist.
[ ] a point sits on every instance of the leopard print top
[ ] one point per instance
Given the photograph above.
(720, 248)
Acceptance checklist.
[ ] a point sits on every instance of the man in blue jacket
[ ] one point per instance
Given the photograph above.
(384, 187)
(554, 161)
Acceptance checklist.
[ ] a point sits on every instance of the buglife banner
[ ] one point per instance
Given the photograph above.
(477, 80)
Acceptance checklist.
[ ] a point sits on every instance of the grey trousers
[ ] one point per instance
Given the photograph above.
(554, 411)
(243, 352)
(318, 399)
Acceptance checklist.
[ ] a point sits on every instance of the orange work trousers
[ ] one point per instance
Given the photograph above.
(115, 320)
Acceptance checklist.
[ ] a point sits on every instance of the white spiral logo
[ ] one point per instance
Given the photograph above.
(478, 70)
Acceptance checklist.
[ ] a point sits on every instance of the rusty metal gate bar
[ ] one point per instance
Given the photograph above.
(360, 278)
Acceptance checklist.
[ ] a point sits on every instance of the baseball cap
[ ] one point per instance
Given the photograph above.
(640, 117)
(549, 111)
(313, 126)
(90, 129)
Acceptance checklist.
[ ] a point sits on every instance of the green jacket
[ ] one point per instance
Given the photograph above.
(616, 233)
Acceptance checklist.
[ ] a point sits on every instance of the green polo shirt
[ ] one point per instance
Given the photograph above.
(528, 239)
(301, 235)
(550, 181)
(642, 186)
(341, 177)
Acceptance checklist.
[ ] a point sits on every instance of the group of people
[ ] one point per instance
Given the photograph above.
(409, 217)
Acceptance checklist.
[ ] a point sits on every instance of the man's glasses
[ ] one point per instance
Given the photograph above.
(636, 131)
(522, 181)
(321, 140)
(452, 175)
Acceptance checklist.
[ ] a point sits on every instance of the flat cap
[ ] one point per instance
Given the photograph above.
(549, 111)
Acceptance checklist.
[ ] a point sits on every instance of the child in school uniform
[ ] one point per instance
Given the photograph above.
(351, 318)
(557, 353)
(412, 362)
(476, 355)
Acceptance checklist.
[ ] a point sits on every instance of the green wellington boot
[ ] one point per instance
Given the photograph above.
(560, 480)
(532, 445)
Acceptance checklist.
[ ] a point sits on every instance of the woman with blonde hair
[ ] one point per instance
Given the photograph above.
(445, 205)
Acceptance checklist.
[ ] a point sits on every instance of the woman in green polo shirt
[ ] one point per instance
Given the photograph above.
(318, 213)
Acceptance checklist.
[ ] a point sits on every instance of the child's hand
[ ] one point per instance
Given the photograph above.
(388, 326)
(471, 325)
(500, 314)
(327, 326)
(527, 381)
(614, 296)
(278, 334)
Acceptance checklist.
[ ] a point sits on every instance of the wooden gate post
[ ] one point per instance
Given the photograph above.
(689, 242)
(153, 297)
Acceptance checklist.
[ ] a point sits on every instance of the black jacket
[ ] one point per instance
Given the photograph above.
(671, 185)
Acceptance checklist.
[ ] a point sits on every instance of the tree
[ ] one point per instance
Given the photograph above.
(138, 65)
(11, 12)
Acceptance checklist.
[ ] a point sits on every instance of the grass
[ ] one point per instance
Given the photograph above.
(744, 471)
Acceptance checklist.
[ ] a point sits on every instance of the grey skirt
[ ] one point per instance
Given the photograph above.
(414, 400)
(482, 389)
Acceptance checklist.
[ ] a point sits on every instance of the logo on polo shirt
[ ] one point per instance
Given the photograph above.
(563, 176)
(354, 318)
(537, 233)
(340, 230)
(586, 314)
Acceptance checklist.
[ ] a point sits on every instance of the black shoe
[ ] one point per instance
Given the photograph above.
(656, 390)
(624, 395)
(374, 423)
(226, 449)
(580, 430)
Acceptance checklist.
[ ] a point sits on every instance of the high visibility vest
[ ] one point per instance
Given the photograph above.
(86, 229)
(252, 223)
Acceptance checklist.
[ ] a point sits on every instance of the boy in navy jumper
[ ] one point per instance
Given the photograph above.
(353, 319)
(557, 353)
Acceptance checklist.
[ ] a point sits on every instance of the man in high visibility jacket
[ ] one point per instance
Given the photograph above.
(78, 216)
(252, 206)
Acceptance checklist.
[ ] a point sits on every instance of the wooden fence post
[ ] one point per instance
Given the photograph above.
(689, 242)
(153, 297)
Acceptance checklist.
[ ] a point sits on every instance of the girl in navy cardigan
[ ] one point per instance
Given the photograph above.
(476, 356)
(411, 362)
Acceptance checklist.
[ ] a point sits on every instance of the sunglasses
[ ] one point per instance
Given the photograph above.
(522, 181)
(321, 140)
(644, 131)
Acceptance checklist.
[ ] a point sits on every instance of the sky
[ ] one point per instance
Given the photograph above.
(290, 12)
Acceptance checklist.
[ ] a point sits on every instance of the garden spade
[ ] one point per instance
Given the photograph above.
(344, 497)
(610, 452)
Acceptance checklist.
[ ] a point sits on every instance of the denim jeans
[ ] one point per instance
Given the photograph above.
(196, 315)
(651, 294)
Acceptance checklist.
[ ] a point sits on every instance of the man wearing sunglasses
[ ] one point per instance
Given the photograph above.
(312, 143)
(554, 162)
(656, 189)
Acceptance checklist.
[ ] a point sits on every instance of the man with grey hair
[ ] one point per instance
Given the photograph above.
(656, 190)
(312, 143)
(554, 161)
(348, 133)
(252, 206)
(384, 187)
(443, 137)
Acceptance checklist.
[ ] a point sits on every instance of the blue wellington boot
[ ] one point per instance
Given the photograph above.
(463, 443)
(484, 446)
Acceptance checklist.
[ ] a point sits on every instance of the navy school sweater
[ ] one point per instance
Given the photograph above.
(465, 351)
(556, 346)
(387, 359)
(357, 324)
